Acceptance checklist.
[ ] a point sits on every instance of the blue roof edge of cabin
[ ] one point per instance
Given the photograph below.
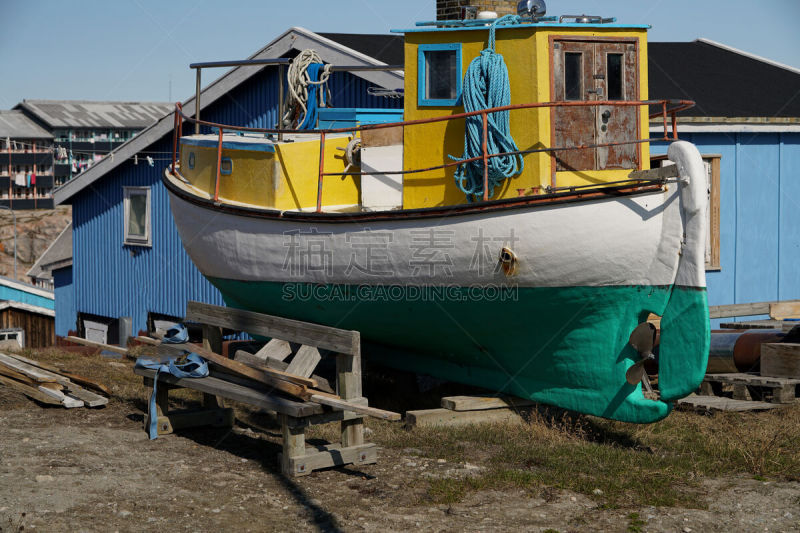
(537, 25)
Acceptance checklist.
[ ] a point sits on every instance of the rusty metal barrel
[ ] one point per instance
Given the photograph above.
(739, 350)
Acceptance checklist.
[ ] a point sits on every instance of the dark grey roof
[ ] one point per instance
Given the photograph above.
(88, 114)
(57, 255)
(385, 48)
(15, 124)
(724, 82)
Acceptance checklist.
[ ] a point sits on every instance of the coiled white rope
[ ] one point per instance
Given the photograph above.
(298, 82)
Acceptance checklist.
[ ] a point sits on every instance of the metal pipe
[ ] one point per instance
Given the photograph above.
(197, 103)
(485, 117)
(219, 165)
(739, 350)
(280, 100)
(321, 170)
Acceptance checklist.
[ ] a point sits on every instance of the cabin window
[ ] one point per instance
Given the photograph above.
(614, 74)
(136, 206)
(439, 74)
(226, 166)
(191, 160)
(573, 75)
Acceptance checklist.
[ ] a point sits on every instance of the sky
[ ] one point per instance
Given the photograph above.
(141, 49)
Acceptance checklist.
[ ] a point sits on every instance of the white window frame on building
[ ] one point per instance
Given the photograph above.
(130, 239)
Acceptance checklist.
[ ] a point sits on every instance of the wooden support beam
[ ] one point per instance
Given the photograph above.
(304, 362)
(345, 405)
(446, 417)
(275, 364)
(479, 403)
(327, 457)
(334, 339)
(33, 372)
(89, 398)
(185, 419)
(753, 308)
(275, 349)
(99, 345)
(65, 400)
(239, 393)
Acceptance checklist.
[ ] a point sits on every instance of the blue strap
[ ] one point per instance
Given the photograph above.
(193, 367)
(177, 334)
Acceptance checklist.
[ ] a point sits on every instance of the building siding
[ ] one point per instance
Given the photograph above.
(111, 279)
(65, 301)
(17, 295)
(759, 215)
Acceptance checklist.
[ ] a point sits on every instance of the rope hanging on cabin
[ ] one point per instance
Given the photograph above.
(486, 85)
(305, 76)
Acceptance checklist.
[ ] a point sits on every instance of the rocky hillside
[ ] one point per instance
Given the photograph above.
(36, 229)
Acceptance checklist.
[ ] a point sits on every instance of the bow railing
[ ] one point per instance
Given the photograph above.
(668, 113)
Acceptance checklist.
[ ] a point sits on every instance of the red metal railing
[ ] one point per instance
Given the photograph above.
(677, 106)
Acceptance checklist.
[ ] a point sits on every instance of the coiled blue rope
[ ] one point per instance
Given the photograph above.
(486, 85)
(314, 97)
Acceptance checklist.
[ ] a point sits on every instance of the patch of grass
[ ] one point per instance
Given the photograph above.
(659, 464)
(635, 523)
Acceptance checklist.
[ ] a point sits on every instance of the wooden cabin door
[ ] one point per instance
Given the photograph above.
(585, 70)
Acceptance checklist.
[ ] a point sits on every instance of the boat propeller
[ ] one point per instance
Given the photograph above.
(643, 339)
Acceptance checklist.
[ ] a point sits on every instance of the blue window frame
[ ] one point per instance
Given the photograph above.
(226, 166)
(439, 76)
(191, 160)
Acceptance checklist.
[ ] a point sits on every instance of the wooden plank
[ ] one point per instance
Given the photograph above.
(99, 345)
(720, 403)
(43, 366)
(239, 393)
(752, 379)
(783, 310)
(328, 457)
(731, 310)
(294, 385)
(316, 335)
(479, 403)
(304, 362)
(754, 324)
(338, 403)
(87, 382)
(29, 391)
(147, 340)
(33, 372)
(87, 397)
(275, 349)
(248, 359)
(446, 417)
(382, 137)
(780, 360)
(184, 419)
(65, 400)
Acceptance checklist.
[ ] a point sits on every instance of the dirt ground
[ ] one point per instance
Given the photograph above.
(96, 470)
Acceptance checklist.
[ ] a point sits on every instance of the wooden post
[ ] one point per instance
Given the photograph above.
(348, 380)
(294, 445)
(212, 341)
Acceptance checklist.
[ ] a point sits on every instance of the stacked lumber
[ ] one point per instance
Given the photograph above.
(267, 369)
(50, 385)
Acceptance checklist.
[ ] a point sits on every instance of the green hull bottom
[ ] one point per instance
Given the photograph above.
(565, 346)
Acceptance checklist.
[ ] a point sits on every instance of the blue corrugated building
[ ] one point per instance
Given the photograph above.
(747, 126)
(745, 123)
(109, 278)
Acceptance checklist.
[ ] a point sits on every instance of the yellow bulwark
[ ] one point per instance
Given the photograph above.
(274, 175)
(527, 53)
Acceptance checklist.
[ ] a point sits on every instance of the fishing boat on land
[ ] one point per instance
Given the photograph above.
(508, 232)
